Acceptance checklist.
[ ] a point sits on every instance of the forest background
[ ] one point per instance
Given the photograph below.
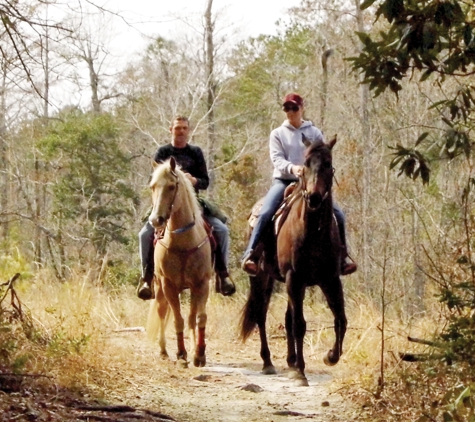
(73, 177)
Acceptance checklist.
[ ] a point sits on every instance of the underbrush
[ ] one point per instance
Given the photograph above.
(59, 330)
(422, 392)
(67, 332)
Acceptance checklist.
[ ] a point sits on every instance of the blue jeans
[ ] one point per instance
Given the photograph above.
(221, 234)
(272, 201)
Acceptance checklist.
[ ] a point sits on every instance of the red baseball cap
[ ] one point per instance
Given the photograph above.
(294, 99)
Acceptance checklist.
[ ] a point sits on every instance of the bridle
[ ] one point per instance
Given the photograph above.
(170, 210)
(306, 194)
(184, 254)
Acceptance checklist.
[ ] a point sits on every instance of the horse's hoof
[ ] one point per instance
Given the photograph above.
(299, 379)
(163, 355)
(182, 363)
(330, 360)
(199, 361)
(301, 382)
(269, 370)
(292, 374)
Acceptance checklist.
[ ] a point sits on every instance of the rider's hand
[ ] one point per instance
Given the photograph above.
(297, 170)
(191, 178)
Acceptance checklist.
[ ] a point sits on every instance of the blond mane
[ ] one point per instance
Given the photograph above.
(163, 170)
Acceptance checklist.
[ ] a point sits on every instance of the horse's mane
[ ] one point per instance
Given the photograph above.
(163, 169)
(315, 147)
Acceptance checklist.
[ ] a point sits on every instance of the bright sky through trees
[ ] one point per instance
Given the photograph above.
(151, 17)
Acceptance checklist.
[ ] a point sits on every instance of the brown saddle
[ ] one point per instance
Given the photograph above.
(281, 213)
(209, 230)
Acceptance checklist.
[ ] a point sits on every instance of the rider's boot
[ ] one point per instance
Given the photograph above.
(348, 266)
(145, 287)
(224, 284)
(249, 263)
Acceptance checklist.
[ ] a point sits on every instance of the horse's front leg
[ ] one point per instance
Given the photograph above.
(333, 292)
(296, 327)
(173, 297)
(198, 318)
(163, 310)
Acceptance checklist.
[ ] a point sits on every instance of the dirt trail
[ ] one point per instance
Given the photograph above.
(229, 389)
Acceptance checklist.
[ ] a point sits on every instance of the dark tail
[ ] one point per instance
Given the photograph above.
(255, 310)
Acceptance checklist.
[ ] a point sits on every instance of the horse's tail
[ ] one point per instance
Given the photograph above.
(255, 310)
(153, 320)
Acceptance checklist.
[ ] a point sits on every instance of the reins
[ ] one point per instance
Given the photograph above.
(183, 253)
(187, 226)
(306, 195)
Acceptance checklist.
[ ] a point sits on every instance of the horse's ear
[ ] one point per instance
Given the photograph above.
(307, 142)
(332, 142)
(154, 164)
(172, 163)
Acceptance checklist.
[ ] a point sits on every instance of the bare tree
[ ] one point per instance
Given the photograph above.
(211, 90)
(366, 134)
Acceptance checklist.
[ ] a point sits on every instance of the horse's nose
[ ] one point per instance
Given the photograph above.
(157, 221)
(315, 200)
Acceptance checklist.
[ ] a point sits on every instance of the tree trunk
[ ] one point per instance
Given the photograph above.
(211, 93)
(366, 133)
(323, 101)
(5, 185)
(93, 82)
(419, 280)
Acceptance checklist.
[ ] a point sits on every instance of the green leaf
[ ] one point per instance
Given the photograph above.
(421, 138)
(425, 75)
(437, 104)
(465, 394)
(447, 417)
(467, 34)
(447, 122)
(425, 172)
(366, 4)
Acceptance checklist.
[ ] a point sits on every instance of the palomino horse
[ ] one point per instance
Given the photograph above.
(308, 252)
(182, 260)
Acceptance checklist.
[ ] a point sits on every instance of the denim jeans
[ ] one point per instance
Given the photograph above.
(272, 201)
(220, 232)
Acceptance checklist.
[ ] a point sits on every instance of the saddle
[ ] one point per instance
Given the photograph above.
(278, 219)
(209, 230)
(281, 213)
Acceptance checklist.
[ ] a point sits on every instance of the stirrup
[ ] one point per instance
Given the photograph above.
(249, 265)
(145, 290)
(226, 285)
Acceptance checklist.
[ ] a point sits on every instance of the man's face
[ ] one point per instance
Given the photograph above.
(180, 132)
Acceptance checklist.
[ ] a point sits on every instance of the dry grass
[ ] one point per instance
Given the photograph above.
(81, 350)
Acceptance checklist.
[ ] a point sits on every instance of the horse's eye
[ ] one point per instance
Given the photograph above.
(326, 165)
(171, 188)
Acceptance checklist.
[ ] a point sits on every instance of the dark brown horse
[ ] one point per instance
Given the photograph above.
(308, 252)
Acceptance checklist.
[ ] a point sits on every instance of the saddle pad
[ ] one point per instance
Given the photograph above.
(252, 219)
(280, 214)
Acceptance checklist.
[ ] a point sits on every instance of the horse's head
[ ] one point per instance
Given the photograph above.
(164, 185)
(317, 175)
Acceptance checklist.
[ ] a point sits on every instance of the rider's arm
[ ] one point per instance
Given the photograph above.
(200, 170)
(278, 155)
(162, 154)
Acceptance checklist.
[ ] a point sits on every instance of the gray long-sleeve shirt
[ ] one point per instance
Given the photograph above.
(287, 149)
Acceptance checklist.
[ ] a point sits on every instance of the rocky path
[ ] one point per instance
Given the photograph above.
(229, 389)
